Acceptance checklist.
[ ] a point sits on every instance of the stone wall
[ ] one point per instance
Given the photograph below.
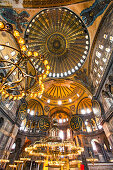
(101, 166)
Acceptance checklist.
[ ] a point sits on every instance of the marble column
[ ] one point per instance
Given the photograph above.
(108, 129)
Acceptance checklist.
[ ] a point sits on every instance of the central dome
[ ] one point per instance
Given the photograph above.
(61, 36)
(56, 44)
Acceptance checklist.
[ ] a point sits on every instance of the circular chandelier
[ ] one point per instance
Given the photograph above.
(19, 73)
(53, 148)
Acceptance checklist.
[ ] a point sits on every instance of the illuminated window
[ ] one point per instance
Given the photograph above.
(105, 36)
(99, 126)
(73, 70)
(68, 133)
(28, 110)
(7, 43)
(60, 120)
(6, 57)
(40, 69)
(88, 128)
(101, 68)
(81, 61)
(104, 60)
(64, 120)
(61, 74)
(13, 53)
(96, 62)
(61, 134)
(83, 111)
(57, 74)
(65, 73)
(99, 75)
(1, 47)
(79, 64)
(86, 47)
(98, 54)
(69, 72)
(14, 73)
(93, 145)
(88, 111)
(85, 52)
(70, 100)
(108, 50)
(53, 74)
(48, 101)
(86, 123)
(59, 102)
(22, 126)
(78, 95)
(13, 146)
(76, 68)
(32, 113)
(86, 36)
(111, 38)
(83, 56)
(95, 70)
(50, 74)
(97, 81)
(101, 47)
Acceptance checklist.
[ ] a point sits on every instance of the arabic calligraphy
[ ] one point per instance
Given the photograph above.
(76, 123)
(44, 124)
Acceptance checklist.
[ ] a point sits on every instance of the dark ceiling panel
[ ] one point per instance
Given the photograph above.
(49, 3)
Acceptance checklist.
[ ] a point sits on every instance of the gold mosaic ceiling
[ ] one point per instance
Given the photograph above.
(65, 91)
(84, 106)
(49, 3)
(61, 36)
(35, 108)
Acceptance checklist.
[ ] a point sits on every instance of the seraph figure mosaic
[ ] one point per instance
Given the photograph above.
(11, 16)
(90, 14)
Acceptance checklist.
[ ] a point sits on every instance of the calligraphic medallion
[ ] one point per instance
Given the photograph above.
(76, 123)
(44, 124)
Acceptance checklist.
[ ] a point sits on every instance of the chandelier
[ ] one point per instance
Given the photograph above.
(54, 147)
(19, 74)
(54, 150)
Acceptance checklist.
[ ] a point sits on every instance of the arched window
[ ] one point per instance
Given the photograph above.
(13, 146)
(61, 134)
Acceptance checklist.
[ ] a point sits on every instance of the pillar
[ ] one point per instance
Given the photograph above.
(108, 129)
(84, 162)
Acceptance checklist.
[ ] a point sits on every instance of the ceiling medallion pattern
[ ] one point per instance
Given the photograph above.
(61, 36)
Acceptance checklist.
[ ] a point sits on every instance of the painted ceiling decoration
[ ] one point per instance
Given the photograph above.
(61, 36)
(62, 92)
(49, 3)
(84, 106)
(35, 108)
(90, 14)
(18, 19)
